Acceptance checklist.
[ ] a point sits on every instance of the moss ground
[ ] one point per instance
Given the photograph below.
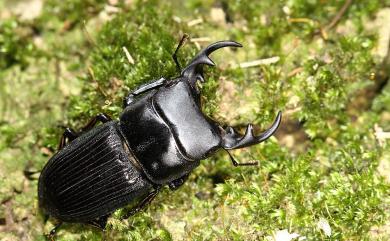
(327, 167)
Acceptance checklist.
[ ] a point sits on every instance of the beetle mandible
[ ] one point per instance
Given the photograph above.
(160, 137)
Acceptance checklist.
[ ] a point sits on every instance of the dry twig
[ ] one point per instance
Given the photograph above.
(338, 16)
(258, 62)
(128, 55)
(335, 20)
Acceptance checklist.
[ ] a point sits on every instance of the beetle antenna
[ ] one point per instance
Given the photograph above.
(236, 164)
(174, 55)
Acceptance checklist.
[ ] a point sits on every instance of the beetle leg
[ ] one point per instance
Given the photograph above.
(30, 174)
(142, 89)
(100, 222)
(174, 55)
(146, 201)
(53, 232)
(102, 117)
(236, 164)
(68, 136)
(175, 184)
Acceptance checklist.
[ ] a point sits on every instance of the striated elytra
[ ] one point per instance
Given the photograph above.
(160, 137)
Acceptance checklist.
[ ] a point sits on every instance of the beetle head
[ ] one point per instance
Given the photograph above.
(230, 138)
(194, 70)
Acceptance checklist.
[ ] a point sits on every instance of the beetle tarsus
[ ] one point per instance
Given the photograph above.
(68, 136)
(100, 223)
(237, 164)
(53, 232)
(30, 174)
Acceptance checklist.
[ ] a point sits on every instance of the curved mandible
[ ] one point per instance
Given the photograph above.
(203, 56)
(235, 141)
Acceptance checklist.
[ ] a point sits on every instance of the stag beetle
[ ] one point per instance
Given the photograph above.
(160, 137)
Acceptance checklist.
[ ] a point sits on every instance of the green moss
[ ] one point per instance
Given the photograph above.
(15, 44)
(324, 163)
(69, 13)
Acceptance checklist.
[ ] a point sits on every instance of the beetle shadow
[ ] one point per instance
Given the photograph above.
(72, 228)
(86, 231)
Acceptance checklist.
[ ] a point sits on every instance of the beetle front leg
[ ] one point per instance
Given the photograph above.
(146, 201)
(236, 164)
(231, 134)
(142, 89)
(175, 184)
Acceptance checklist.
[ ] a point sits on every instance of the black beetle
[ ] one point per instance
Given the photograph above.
(160, 137)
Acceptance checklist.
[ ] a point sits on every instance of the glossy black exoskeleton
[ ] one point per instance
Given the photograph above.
(160, 137)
